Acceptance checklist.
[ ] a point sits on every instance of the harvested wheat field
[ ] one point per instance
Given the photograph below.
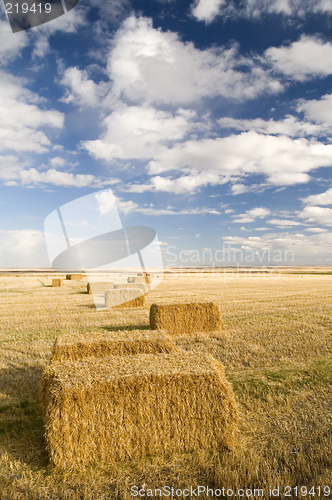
(275, 345)
(76, 346)
(118, 408)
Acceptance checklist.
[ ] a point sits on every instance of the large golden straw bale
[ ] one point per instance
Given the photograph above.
(132, 406)
(76, 277)
(56, 282)
(99, 287)
(145, 288)
(186, 317)
(76, 346)
(124, 297)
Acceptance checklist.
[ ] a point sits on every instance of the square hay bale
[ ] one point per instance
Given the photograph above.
(132, 406)
(56, 282)
(124, 297)
(186, 317)
(130, 279)
(76, 346)
(99, 287)
(76, 277)
(133, 285)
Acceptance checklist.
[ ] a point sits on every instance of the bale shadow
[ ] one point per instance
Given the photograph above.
(21, 416)
(125, 327)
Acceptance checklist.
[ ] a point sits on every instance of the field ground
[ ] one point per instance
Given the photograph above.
(276, 348)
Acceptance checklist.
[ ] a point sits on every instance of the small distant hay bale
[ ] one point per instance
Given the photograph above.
(130, 279)
(99, 287)
(56, 282)
(146, 274)
(100, 345)
(76, 277)
(133, 285)
(132, 406)
(185, 318)
(124, 297)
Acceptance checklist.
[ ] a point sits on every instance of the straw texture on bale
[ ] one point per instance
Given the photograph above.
(133, 285)
(75, 346)
(124, 297)
(133, 406)
(56, 282)
(99, 287)
(76, 277)
(185, 318)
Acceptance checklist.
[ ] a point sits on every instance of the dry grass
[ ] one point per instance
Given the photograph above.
(125, 297)
(127, 407)
(276, 347)
(99, 287)
(186, 318)
(77, 346)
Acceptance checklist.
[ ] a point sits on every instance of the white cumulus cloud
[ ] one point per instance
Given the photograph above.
(155, 66)
(138, 132)
(307, 58)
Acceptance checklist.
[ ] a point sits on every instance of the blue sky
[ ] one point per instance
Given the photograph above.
(210, 120)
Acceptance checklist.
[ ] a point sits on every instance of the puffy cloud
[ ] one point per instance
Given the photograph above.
(208, 10)
(251, 215)
(21, 118)
(138, 132)
(318, 110)
(318, 215)
(183, 184)
(319, 199)
(12, 173)
(57, 161)
(289, 126)
(11, 45)
(155, 66)
(282, 160)
(307, 58)
(81, 90)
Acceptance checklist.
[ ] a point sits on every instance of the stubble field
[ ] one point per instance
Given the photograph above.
(276, 347)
